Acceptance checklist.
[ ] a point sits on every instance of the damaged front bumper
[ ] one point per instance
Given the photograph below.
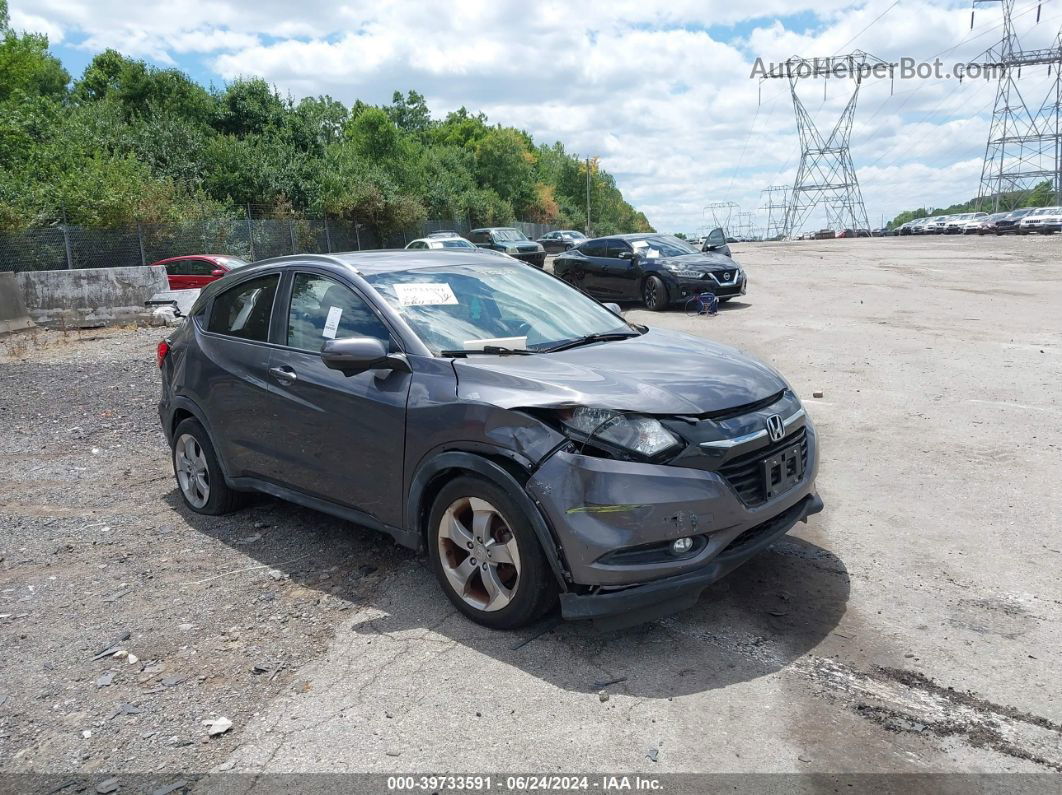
(650, 600)
(615, 521)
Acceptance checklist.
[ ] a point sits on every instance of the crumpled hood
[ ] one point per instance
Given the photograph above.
(660, 372)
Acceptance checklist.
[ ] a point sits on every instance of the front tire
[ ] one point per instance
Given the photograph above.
(200, 480)
(654, 294)
(486, 556)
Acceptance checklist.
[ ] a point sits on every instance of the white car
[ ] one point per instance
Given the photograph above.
(935, 225)
(971, 223)
(441, 240)
(1044, 220)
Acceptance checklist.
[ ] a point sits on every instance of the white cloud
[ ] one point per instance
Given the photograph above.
(659, 90)
(33, 23)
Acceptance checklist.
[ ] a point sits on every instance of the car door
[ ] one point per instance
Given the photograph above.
(620, 274)
(340, 437)
(716, 241)
(231, 381)
(593, 267)
(201, 272)
(177, 274)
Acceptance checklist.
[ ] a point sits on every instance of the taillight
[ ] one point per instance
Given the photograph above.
(160, 353)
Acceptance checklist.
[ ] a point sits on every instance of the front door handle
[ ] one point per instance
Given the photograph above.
(285, 375)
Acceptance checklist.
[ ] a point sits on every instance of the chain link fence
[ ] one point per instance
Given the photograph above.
(69, 247)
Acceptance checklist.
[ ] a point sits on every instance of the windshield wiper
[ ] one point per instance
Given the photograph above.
(599, 337)
(493, 350)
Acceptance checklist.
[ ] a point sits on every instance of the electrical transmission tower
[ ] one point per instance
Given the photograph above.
(743, 229)
(1025, 140)
(721, 212)
(775, 210)
(826, 175)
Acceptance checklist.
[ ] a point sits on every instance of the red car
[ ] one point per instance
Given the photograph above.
(198, 270)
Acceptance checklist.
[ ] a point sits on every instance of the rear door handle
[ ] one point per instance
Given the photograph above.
(285, 375)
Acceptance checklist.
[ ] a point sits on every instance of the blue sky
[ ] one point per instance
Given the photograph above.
(659, 91)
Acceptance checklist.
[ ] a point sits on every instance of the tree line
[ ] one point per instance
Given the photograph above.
(129, 142)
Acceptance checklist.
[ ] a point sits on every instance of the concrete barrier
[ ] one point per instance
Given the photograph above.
(90, 297)
(13, 314)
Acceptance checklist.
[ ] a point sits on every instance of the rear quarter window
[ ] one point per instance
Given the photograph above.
(244, 311)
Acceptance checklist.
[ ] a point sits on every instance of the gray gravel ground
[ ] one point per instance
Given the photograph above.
(913, 626)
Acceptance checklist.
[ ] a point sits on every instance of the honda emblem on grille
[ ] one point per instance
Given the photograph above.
(775, 428)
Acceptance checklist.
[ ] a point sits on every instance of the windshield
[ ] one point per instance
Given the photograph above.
(231, 262)
(573, 234)
(465, 307)
(509, 234)
(457, 244)
(655, 246)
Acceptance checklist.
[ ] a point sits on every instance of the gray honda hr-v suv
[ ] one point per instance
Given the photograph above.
(539, 447)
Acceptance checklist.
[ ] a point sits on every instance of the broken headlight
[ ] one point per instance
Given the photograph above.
(633, 433)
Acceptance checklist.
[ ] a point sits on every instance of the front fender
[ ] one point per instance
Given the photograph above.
(461, 460)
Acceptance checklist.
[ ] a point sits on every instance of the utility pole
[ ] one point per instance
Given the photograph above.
(826, 175)
(1024, 141)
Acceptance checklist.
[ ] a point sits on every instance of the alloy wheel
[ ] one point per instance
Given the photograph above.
(193, 474)
(479, 554)
(650, 294)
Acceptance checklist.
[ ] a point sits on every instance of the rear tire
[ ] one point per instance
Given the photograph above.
(200, 480)
(486, 555)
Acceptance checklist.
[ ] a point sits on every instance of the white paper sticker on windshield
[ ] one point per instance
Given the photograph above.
(428, 294)
(638, 244)
(332, 322)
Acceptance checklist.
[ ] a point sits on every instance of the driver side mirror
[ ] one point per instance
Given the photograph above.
(626, 255)
(358, 354)
(217, 273)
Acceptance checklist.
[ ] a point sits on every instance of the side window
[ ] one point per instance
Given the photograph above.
(178, 268)
(616, 246)
(417, 245)
(323, 309)
(593, 248)
(199, 267)
(243, 311)
(480, 237)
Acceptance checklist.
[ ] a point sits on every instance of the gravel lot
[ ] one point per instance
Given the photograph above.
(913, 626)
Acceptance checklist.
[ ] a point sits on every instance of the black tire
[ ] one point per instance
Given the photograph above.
(536, 587)
(654, 294)
(220, 498)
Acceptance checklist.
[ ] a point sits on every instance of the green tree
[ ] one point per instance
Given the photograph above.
(28, 69)
(409, 113)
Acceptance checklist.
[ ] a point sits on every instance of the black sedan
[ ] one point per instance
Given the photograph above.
(561, 240)
(659, 270)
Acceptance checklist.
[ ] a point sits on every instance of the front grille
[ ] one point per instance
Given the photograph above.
(745, 473)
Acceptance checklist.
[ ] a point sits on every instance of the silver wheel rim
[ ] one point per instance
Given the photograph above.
(479, 555)
(193, 475)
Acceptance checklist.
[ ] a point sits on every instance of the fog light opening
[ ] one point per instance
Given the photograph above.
(680, 546)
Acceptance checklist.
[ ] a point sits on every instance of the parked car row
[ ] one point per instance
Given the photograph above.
(1027, 220)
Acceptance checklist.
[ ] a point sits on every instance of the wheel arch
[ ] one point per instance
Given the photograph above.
(185, 408)
(500, 470)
